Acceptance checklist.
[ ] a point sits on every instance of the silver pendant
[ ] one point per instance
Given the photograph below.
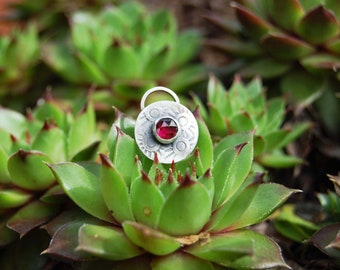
(166, 128)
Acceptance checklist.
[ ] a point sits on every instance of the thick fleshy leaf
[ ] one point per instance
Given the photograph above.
(90, 70)
(266, 253)
(180, 261)
(286, 47)
(65, 241)
(149, 239)
(235, 47)
(241, 122)
(115, 191)
(106, 242)
(326, 238)
(216, 122)
(4, 175)
(204, 144)
(51, 141)
(267, 198)
(318, 25)
(254, 25)
(122, 146)
(146, 200)
(333, 5)
(115, 63)
(265, 67)
(222, 249)
(278, 159)
(320, 62)
(61, 60)
(309, 87)
(83, 187)
(286, 14)
(216, 95)
(289, 224)
(231, 169)
(13, 122)
(83, 127)
(10, 198)
(31, 216)
(186, 209)
(28, 170)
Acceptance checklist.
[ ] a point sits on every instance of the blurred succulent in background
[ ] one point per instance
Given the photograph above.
(293, 42)
(19, 56)
(190, 215)
(244, 107)
(29, 193)
(54, 21)
(127, 49)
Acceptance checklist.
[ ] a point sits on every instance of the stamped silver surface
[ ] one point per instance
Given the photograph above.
(185, 141)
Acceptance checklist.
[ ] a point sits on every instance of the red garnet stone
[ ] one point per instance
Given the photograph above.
(166, 130)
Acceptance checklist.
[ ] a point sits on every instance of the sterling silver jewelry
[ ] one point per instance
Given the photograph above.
(166, 128)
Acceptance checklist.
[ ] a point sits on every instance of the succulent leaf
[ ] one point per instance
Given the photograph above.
(230, 170)
(180, 261)
(253, 24)
(31, 216)
(122, 145)
(149, 239)
(318, 25)
(115, 191)
(83, 187)
(267, 198)
(222, 249)
(185, 210)
(11, 198)
(33, 173)
(106, 242)
(285, 47)
(325, 239)
(285, 14)
(146, 201)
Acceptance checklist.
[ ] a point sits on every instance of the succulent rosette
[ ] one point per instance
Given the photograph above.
(244, 107)
(29, 194)
(193, 214)
(19, 56)
(126, 49)
(294, 43)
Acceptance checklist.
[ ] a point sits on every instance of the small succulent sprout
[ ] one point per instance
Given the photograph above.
(244, 108)
(193, 213)
(132, 50)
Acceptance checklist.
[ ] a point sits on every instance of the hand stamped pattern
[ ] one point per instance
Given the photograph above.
(187, 137)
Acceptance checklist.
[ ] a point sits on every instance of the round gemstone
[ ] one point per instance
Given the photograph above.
(166, 130)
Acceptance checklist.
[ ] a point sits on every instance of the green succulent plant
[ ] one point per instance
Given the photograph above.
(327, 239)
(126, 49)
(294, 43)
(54, 21)
(244, 107)
(19, 56)
(190, 215)
(29, 194)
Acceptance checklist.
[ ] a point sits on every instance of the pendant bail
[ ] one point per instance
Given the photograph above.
(165, 128)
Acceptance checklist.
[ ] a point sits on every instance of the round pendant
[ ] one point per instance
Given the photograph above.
(166, 128)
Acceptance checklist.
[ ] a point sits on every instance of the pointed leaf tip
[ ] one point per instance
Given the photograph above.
(105, 161)
(145, 177)
(240, 147)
